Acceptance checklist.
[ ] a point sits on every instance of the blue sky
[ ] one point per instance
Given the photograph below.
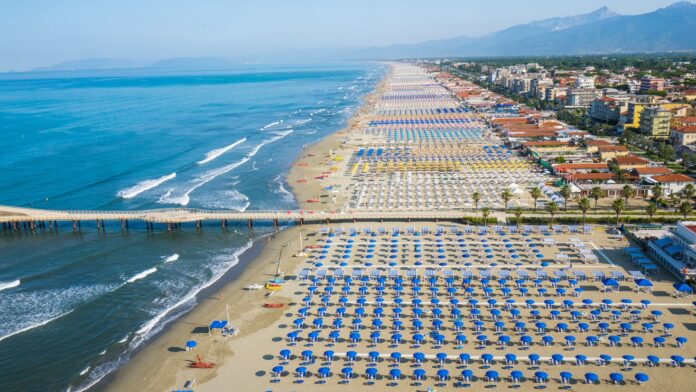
(44, 32)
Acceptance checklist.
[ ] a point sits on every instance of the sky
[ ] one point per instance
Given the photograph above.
(36, 33)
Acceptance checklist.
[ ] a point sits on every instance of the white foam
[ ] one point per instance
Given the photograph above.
(172, 258)
(287, 196)
(36, 325)
(229, 200)
(211, 155)
(143, 186)
(9, 285)
(142, 275)
(273, 124)
(184, 198)
(83, 372)
(302, 121)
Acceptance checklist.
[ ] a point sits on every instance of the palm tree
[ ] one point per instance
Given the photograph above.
(477, 198)
(518, 214)
(657, 192)
(627, 192)
(485, 211)
(536, 194)
(596, 193)
(651, 209)
(551, 209)
(688, 191)
(565, 192)
(685, 209)
(584, 205)
(506, 196)
(618, 206)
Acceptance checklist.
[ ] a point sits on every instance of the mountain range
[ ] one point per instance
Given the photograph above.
(668, 29)
(603, 31)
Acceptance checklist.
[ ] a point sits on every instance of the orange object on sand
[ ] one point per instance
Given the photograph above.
(313, 200)
(199, 363)
(273, 305)
(302, 180)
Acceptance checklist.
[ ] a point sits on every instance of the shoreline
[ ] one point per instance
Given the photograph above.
(157, 364)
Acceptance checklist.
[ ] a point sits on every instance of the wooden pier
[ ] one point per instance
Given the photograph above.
(31, 218)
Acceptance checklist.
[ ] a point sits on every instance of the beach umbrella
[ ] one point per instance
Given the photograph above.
(419, 374)
(351, 355)
(371, 373)
(347, 372)
(301, 371)
(628, 359)
(682, 287)
(681, 341)
(616, 378)
(510, 358)
(491, 376)
(285, 354)
(534, 359)
(467, 375)
(277, 371)
(677, 360)
(556, 359)
(566, 377)
(641, 378)
(516, 375)
(653, 360)
(464, 358)
(324, 372)
(191, 344)
(486, 358)
(591, 378)
(541, 377)
(395, 373)
(580, 359)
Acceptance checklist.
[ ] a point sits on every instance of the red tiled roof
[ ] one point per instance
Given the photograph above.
(590, 176)
(644, 171)
(549, 143)
(597, 142)
(687, 129)
(631, 160)
(673, 178)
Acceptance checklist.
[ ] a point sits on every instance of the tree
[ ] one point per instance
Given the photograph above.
(536, 194)
(476, 197)
(596, 193)
(551, 209)
(485, 211)
(506, 196)
(618, 206)
(657, 192)
(685, 209)
(584, 205)
(651, 209)
(518, 214)
(627, 192)
(688, 192)
(565, 192)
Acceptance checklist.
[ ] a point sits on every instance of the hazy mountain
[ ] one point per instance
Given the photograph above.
(671, 28)
(95, 63)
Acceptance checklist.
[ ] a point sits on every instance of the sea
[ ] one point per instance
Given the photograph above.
(74, 306)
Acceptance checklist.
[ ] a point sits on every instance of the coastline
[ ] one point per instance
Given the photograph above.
(162, 363)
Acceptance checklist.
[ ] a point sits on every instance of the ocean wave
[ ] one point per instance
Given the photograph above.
(142, 275)
(23, 311)
(184, 198)
(211, 155)
(162, 319)
(280, 189)
(273, 124)
(229, 200)
(172, 258)
(143, 186)
(9, 285)
(302, 121)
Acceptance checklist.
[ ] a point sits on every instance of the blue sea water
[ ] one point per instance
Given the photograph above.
(74, 306)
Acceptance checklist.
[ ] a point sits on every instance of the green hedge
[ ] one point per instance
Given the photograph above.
(593, 220)
(477, 220)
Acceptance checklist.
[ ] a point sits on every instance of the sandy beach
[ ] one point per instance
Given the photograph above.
(553, 283)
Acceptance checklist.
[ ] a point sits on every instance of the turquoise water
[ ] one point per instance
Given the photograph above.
(73, 306)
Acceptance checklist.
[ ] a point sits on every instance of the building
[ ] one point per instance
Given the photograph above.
(554, 93)
(585, 82)
(605, 109)
(651, 83)
(580, 97)
(676, 251)
(671, 183)
(644, 172)
(655, 122)
(592, 145)
(612, 151)
(683, 136)
(679, 122)
(630, 162)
